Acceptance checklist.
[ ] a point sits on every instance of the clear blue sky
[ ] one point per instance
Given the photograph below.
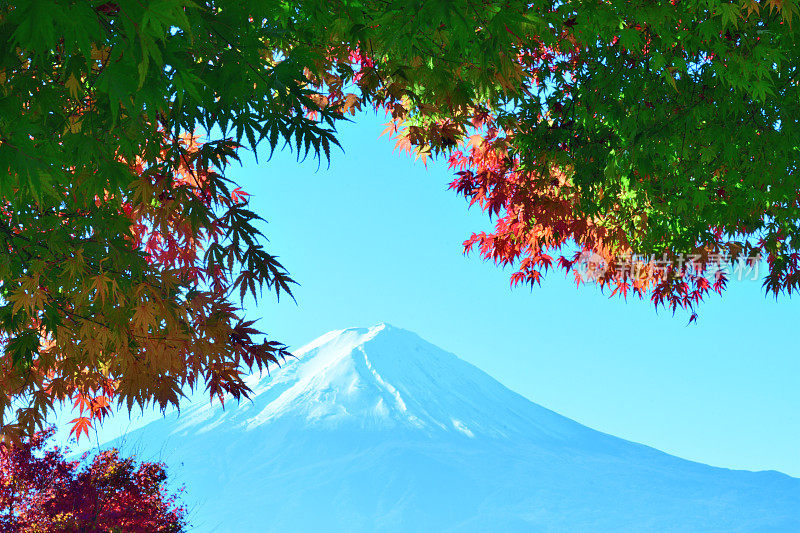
(377, 238)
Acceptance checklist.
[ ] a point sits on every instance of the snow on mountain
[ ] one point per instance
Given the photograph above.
(377, 430)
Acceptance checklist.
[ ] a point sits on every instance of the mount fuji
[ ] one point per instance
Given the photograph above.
(378, 430)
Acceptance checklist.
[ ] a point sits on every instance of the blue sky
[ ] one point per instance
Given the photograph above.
(376, 237)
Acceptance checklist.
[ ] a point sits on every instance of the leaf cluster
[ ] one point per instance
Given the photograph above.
(42, 492)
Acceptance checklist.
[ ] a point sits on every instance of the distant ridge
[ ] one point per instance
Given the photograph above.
(375, 429)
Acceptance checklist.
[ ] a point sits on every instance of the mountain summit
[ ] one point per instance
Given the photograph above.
(378, 430)
(385, 378)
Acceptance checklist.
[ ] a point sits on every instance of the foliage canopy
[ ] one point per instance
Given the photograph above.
(42, 492)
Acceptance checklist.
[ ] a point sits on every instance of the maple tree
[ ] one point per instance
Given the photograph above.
(655, 141)
(42, 492)
(125, 244)
(603, 128)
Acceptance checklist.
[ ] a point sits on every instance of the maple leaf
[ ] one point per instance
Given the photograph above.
(100, 286)
(73, 85)
(80, 425)
(239, 196)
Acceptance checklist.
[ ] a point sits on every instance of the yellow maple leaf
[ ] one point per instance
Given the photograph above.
(72, 84)
(100, 287)
(74, 126)
(28, 296)
(100, 54)
(752, 7)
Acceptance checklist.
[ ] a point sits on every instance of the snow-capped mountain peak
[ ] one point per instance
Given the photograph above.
(385, 378)
(375, 429)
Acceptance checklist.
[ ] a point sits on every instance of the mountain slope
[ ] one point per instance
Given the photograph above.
(377, 430)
